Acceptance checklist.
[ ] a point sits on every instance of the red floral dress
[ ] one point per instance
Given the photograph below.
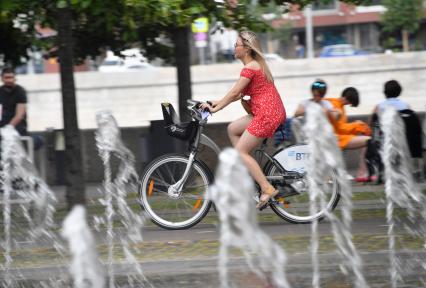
(265, 103)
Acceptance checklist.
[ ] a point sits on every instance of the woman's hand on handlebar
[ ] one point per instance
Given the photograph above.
(210, 105)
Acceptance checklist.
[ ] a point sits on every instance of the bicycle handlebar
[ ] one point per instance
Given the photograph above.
(196, 113)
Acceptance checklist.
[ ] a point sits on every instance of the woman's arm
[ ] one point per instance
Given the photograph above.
(214, 103)
(233, 95)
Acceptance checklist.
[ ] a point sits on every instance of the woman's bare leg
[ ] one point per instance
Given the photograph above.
(245, 145)
(360, 142)
(237, 128)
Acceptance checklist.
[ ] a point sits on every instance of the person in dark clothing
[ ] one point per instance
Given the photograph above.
(13, 102)
(13, 106)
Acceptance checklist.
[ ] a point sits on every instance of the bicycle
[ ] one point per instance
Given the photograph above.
(173, 187)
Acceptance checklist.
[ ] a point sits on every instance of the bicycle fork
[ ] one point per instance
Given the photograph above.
(175, 190)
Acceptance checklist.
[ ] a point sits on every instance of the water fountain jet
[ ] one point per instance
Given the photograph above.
(400, 188)
(232, 194)
(86, 269)
(109, 143)
(325, 156)
(22, 186)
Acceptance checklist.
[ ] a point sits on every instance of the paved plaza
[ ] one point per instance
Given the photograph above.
(189, 258)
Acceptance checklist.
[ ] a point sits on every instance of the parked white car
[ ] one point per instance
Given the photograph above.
(132, 60)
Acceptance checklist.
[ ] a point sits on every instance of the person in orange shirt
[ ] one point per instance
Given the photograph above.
(350, 135)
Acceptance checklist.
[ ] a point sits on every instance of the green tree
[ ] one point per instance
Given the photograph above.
(86, 26)
(13, 38)
(404, 16)
(13, 43)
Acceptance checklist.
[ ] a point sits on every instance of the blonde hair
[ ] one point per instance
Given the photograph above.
(251, 41)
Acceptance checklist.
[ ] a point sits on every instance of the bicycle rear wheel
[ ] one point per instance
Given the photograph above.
(170, 211)
(296, 208)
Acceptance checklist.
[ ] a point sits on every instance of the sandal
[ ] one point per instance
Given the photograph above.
(271, 192)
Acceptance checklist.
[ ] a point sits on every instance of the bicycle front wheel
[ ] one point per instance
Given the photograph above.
(296, 208)
(175, 210)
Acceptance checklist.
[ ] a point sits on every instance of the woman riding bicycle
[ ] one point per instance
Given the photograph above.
(265, 108)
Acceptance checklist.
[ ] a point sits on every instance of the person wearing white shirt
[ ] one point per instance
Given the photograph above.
(413, 129)
(392, 90)
(318, 89)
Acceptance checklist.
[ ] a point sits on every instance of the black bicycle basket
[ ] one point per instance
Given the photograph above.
(182, 131)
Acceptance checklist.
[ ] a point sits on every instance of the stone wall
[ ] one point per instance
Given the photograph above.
(134, 97)
(147, 143)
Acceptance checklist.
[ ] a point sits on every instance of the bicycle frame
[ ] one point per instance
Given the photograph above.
(272, 160)
(200, 138)
(260, 153)
(285, 170)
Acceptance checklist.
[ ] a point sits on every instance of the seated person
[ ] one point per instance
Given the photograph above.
(13, 105)
(392, 90)
(318, 89)
(13, 100)
(353, 135)
(413, 128)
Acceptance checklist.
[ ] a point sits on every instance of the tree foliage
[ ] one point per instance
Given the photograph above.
(115, 24)
(87, 26)
(402, 15)
(13, 43)
(119, 24)
(303, 3)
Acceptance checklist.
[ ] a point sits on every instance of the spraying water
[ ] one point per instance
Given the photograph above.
(23, 187)
(400, 187)
(325, 156)
(85, 269)
(109, 143)
(297, 129)
(232, 193)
